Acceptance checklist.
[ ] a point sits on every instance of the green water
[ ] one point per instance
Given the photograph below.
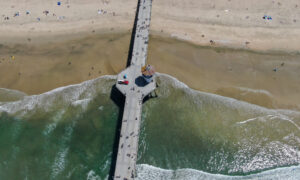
(63, 143)
(69, 134)
(188, 129)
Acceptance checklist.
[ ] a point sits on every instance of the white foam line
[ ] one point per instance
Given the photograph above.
(82, 102)
(49, 128)
(248, 120)
(271, 117)
(59, 163)
(175, 80)
(231, 102)
(291, 121)
(91, 175)
(60, 159)
(46, 100)
(252, 119)
(59, 89)
(14, 91)
(148, 172)
(255, 91)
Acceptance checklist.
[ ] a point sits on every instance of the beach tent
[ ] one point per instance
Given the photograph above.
(148, 70)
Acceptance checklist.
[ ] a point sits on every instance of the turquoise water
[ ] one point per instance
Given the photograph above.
(68, 133)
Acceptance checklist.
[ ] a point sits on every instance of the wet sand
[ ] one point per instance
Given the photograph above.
(37, 68)
(270, 80)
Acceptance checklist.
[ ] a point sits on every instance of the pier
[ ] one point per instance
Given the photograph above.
(135, 91)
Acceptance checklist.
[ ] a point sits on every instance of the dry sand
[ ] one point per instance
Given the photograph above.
(229, 23)
(81, 40)
(72, 19)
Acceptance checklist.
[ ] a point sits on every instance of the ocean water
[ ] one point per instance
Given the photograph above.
(68, 133)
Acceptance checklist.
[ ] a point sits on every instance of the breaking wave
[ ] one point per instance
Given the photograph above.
(188, 133)
(216, 134)
(78, 94)
(147, 172)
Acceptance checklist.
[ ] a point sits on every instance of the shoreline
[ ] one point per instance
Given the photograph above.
(241, 74)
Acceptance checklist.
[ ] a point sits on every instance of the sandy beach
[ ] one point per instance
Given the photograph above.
(231, 23)
(222, 47)
(228, 23)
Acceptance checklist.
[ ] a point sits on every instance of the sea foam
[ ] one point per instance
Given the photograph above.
(78, 94)
(217, 100)
(81, 94)
(148, 172)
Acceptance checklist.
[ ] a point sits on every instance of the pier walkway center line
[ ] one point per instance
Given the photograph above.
(134, 91)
